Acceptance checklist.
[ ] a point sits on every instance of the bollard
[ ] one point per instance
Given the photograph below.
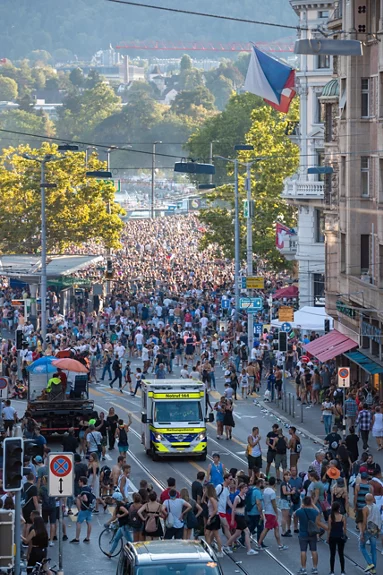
(289, 403)
(301, 412)
(293, 406)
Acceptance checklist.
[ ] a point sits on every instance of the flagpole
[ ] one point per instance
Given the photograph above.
(236, 239)
(249, 250)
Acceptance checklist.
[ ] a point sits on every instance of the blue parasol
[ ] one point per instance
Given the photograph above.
(42, 365)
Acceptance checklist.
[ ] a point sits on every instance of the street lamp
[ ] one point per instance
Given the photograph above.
(43, 185)
(152, 213)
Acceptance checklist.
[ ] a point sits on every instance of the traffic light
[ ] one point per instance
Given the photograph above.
(282, 341)
(109, 269)
(12, 463)
(19, 339)
(32, 449)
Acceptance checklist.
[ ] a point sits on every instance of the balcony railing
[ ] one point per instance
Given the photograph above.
(303, 189)
(290, 247)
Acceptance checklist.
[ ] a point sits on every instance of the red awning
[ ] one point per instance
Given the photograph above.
(330, 345)
(288, 292)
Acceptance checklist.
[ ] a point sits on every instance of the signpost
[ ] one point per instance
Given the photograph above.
(258, 328)
(253, 282)
(251, 304)
(343, 377)
(60, 484)
(286, 314)
(286, 327)
(225, 303)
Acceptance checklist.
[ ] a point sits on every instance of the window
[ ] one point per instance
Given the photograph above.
(323, 61)
(318, 112)
(328, 124)
(381, 180)
(342, 253)
(343, 167)
(365, 99)
(318, 289)
(319, 226)
(364, 253)
(364, 175)
(323, 14)
(320, 162)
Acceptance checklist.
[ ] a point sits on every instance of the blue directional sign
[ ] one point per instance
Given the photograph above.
(258, 328)
(225, 303)
(243, 282)
(286, 327)
(251, 304)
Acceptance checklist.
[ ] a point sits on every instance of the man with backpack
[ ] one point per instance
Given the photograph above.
(309, 527)
(86, 501)
(280, 445)
(223, 493)
(254, 508)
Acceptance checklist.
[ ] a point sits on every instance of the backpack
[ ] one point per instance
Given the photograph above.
(169, 521)
(281, 446)
(106, 470)
(47, 501)
(24, 496)
(191, 520)
(135, 520)
(91, 503)
(249, 505)
(116, 365)
(298, 446)
(151, 522)
(312, 527)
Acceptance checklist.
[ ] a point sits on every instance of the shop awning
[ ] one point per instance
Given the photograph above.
(364, 362)
(330, 345)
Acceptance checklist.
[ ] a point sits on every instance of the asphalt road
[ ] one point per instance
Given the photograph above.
(87, 558)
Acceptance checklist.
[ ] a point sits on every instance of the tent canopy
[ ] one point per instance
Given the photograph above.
(308, 318)
(288, 292)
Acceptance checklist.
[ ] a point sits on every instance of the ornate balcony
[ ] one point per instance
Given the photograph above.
(301, 189)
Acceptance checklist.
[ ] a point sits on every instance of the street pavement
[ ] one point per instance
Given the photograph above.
(86, 558)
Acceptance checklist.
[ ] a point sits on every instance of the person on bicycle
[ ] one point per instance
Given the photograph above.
(121, 517)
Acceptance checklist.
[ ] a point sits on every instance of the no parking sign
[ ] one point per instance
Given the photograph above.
(343, 377)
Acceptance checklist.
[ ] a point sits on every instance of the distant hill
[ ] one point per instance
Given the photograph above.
(85, 26)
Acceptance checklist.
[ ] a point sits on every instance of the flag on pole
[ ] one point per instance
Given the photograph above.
(281, 234)
(271, 80)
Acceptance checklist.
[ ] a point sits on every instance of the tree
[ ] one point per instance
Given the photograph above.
(221, 88)
(275, 158)
(186, 63)
(25, 103)
(225, 130)
(76, 209)
(77, 78)
(93, 79)
(184, 101)
(8, 89)
(25, 121)
(40, 56)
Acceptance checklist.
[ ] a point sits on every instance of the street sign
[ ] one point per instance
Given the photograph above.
(225, 303)
(60, 474)
(286, 314)
(344, 377)
(3, 388)
(253, 282)
(258, 329)
(251, 304)
(286, 327)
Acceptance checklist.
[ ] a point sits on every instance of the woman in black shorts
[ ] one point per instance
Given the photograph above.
(213, 522)
(238, 520)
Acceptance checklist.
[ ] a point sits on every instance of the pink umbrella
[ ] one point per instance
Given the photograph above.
(70, 365)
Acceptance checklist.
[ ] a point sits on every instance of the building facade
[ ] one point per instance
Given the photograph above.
(353, 111)
(303, 190)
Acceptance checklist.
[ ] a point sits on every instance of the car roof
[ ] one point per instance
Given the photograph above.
(149, 552)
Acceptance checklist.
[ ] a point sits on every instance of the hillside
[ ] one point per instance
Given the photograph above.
(85, 26)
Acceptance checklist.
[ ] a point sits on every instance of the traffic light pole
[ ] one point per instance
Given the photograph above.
(236, 240)
(17, 533)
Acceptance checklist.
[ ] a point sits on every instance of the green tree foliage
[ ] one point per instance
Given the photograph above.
(186, 63)
(41, 56)
(275, 158)
(76, 209)
(24, 121)
(8, 89)
(82, 113)
(77, 78)
(224, 130)
(221, 88)
(184, 100)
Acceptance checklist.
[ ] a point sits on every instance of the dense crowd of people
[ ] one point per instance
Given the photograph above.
(165, 315)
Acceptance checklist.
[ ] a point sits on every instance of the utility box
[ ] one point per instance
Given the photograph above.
(7, 538)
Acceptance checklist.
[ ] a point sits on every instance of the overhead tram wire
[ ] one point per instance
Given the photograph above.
(207, 15)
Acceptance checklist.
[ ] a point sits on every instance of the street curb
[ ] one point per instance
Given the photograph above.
(286, 421)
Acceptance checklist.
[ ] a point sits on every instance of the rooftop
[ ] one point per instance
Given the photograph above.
(30, 266)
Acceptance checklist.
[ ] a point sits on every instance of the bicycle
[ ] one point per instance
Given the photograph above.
(43, 568)
(105, 541)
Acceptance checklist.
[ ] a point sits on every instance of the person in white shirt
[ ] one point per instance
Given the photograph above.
(139, 340)
(223, 493)
(194, 374)
(184, 372)
(9, 416)
(120, 350)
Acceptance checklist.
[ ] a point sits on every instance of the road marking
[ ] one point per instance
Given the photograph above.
(97, 393)
(236, 415)
(107, 456)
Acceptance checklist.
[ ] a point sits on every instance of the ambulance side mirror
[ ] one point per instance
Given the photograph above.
(144, 418)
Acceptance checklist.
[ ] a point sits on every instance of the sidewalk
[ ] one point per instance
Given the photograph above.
(307, 419)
